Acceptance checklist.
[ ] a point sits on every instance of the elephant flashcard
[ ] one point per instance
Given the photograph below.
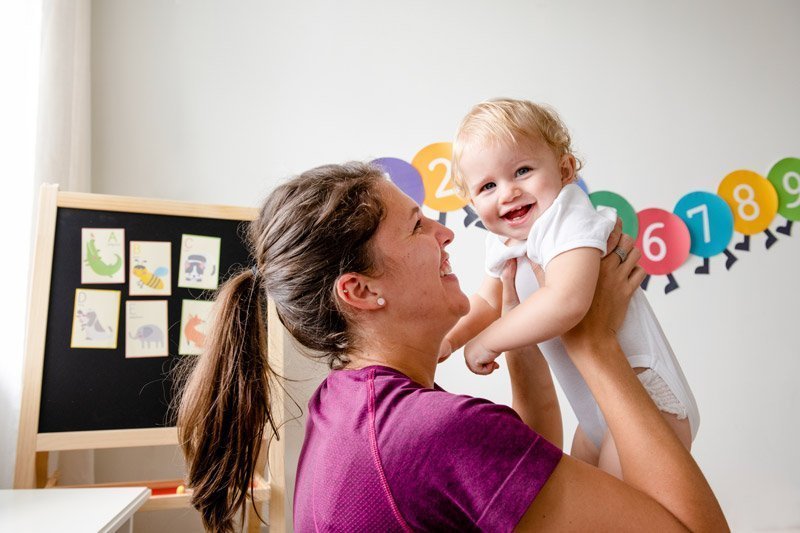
(146, 328)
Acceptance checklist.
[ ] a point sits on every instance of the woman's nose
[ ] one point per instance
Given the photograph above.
(444, 234)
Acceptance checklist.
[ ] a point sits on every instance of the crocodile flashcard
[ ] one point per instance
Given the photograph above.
(102, 255)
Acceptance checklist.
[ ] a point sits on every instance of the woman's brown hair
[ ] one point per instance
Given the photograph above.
(310, 230)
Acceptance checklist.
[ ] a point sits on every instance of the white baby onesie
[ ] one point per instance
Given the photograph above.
(572, 222)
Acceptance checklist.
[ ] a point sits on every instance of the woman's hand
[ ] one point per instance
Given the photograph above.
(616, 284)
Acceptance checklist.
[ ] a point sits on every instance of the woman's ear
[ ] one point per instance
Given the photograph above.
(568, 165)
(357, 291)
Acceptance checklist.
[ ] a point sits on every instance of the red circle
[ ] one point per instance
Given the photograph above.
(668, 241)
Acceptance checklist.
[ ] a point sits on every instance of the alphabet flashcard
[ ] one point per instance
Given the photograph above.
(95, 319)
(199, 265)
(102, 255)
(151, 272)
(195, 321)
(146, 328)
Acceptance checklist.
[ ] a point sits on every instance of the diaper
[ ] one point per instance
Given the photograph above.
(661, 394)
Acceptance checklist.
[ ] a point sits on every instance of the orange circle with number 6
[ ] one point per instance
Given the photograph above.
(434, 164)
(752, 199)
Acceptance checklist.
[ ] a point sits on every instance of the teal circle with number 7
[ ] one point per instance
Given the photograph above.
(785, 177)
(710, 222)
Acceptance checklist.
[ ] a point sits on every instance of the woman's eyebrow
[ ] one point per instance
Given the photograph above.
(414, 211)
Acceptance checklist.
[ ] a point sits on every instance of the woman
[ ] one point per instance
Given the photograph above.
(359, 274)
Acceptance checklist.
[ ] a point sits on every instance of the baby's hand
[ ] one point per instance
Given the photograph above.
(480, 359)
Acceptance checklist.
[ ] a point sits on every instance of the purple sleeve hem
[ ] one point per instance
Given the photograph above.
(518, 491)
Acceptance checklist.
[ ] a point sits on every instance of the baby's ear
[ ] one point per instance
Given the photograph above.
(568, 174)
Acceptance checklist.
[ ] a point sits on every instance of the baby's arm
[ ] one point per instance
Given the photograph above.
(484, 309)
(560, 303)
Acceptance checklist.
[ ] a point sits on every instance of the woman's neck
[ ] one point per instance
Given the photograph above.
(417, 365)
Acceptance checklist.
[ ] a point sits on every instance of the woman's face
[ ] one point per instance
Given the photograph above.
(415, 270)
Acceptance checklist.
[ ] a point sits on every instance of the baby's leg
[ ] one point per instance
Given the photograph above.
(609, 458)
(583, 448)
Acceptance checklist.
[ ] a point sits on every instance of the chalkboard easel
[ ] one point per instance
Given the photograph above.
(78, 398)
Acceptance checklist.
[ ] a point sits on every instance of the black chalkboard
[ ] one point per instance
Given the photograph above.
(99, 389)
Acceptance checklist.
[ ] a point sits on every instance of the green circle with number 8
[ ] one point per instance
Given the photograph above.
(625, 211)
(785, 177)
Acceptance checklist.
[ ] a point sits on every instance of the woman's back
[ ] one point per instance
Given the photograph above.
(384, 453)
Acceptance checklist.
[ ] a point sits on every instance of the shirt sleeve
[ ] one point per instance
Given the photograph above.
(462, 463)
(571, 222)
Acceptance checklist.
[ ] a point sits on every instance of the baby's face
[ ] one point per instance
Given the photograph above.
(510, 186)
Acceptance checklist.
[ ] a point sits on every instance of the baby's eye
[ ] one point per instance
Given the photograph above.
(487, 186)
(522, 170)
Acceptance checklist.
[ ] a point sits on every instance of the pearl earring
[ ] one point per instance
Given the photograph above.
(381, 301)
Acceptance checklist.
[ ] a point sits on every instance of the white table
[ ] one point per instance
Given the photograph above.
(70, 510)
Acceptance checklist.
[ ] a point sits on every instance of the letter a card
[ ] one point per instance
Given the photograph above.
(102, 255)
(95, 319)
(199, 266)
(150, 274)
(146, 328)
(195, 321)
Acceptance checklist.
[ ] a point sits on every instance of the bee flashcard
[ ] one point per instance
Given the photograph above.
(102, 255)
(150, 273)
(195, 318)
(199, 266)
(146, 328)
(95, 319)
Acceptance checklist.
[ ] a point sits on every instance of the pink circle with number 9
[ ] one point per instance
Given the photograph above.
(664, 241)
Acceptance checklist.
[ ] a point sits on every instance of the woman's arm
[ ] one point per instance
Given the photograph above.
(532, 391)
(662, 486)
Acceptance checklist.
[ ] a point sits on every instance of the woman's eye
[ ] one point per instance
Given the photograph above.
(418, 226)
(487, 186)
(523, 170)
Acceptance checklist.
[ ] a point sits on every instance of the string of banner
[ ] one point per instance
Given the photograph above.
(701, 224)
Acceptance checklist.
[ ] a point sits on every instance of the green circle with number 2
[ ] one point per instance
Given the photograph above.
(785, 177)
(625, 211)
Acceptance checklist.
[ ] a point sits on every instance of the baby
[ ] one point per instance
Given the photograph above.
(513, 160)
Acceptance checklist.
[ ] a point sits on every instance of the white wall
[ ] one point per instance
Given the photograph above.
(215, 101)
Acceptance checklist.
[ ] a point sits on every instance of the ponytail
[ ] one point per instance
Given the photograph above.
(225, 405)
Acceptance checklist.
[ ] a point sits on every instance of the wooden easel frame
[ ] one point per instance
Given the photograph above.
(33, 447)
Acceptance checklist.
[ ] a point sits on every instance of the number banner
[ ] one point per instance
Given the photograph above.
(663, 240)
(785, 177)
(434, 165)
(404, 175)
(709, 220)
(752, 199)
(625, 211)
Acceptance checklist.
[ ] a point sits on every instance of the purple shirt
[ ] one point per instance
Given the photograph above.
(383, 453)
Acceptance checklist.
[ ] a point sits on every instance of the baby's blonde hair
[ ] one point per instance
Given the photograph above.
(507, 121)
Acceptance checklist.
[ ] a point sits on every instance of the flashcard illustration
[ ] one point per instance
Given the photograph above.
(199, 266)
(195, 317)
(102, 255)
(146, 328)
(95, 319)
(150, 274)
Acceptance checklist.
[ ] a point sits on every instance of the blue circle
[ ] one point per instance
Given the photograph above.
(405, 176)
(582, 185)
(710, 222)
